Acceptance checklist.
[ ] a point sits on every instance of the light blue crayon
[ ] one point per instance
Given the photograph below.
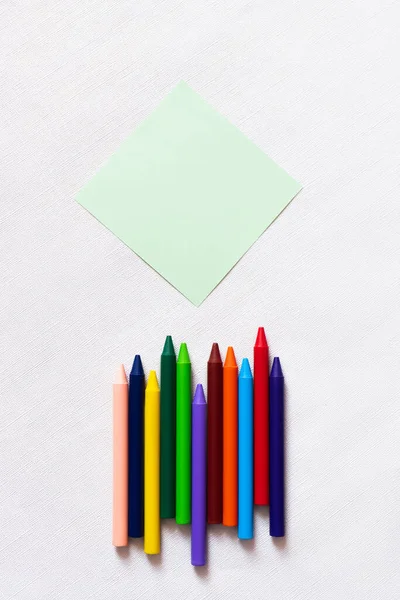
(245, 500)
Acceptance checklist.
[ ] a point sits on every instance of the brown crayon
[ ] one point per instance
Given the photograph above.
(214, 439)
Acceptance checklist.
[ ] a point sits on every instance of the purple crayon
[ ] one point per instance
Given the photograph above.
(199, 472)
(276, 451)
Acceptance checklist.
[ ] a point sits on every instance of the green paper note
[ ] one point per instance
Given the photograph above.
(189, 193)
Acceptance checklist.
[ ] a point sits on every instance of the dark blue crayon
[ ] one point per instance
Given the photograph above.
(136, 458)
(276, 452)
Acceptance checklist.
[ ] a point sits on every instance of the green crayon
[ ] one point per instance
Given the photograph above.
(183, 436)
(168, 431)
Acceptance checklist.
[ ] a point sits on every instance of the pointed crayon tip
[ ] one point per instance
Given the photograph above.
(199, 397)
(183, 356)
(245, 370)
(261, 341)
(169, 349)
(137, 367)
(215, 355)
(230, 359)
(152, 383)
(276, 369)
(120, 376)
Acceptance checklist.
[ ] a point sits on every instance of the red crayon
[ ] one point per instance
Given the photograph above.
(261, 434)
(214, 437)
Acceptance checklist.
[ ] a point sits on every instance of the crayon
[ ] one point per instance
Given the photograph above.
(183, 436)
(152, 466)
(261, 370)
(135, 478)
(168, 431)
(199, 480)
(230, 441)
(120, 459)
(245, 516)
(276, 451)
(214, 439)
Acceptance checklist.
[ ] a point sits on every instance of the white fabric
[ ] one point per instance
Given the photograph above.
(316, 86)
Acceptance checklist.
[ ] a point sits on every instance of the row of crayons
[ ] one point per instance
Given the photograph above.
(196, 461)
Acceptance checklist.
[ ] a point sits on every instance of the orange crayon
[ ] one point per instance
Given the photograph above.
(230, 437)
(120, 479)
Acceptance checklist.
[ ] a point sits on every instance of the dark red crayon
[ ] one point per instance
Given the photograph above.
(261, 431)
(214, 436)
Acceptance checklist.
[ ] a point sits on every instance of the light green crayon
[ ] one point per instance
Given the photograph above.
(183, 436)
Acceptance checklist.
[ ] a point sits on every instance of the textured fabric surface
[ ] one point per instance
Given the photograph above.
(314, 85)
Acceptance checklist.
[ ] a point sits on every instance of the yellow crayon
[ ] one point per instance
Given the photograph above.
(152, 466)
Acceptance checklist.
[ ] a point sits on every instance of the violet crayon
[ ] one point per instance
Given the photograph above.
(276, 452)
(199, 473)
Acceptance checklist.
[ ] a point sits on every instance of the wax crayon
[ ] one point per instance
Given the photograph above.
(183, 436)
(230, 439)
(214, 436)
(168, 431)
(152, 466)
(120, 459)
(199, 480)
(136, 458)
(261, 370)
(276, 451)
(245, 509)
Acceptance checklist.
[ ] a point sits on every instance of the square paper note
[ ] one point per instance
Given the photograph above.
(189, 193)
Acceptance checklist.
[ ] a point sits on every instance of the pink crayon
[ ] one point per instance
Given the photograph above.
(120, 459)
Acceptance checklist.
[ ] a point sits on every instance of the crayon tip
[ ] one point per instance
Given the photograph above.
(120, 376)
(261, 341)
(230, 359)
(276, 370)
(215, 355)
(199, 397)
(169, 349)
(245, 370)
(152, 383)
(183, 356)
(137, 367)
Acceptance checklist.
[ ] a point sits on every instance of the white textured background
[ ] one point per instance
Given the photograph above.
(316, 85)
